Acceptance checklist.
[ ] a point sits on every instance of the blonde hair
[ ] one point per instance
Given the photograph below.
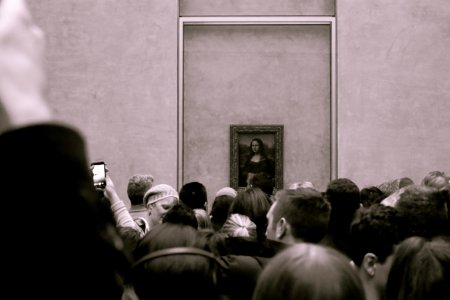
(238, 225)
(203, 220)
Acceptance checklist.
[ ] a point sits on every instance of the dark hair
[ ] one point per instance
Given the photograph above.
(181, 214)
(219, 211)
(252, 202)
(344, 197)
(376, 229)
(262, 148)
(371, 195)
(264, 181)
(420, 270)
(306, 271)
(424, 209)
(194, 195)
(306, 211)
(405, 181)
(188, 274)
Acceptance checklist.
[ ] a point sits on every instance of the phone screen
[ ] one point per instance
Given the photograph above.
(99, 174)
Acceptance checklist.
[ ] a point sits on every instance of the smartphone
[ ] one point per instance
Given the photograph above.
(99, 174)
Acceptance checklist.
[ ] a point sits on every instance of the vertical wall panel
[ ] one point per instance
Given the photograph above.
(394, 89)
(256, 74)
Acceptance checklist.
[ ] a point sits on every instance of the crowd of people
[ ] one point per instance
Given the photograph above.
(74, 241)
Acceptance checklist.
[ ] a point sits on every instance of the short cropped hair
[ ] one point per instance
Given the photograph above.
(424, 209)
(137, 186)
(306, 211)
(307, 271)
(376, 229)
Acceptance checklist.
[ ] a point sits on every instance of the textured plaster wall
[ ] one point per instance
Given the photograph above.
(393, 89)
(256, 7)
(113, 74)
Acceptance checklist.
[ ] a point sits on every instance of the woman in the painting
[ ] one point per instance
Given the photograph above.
(257, 162)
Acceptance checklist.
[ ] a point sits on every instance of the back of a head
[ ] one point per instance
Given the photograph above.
(174, 259)
(181, 214)
(376, 229)
(308, 272)
(219, 210)
(405, 181)
(420, 270)
(424, 209)
(300, 185)
(306, 211)
(194, 195)
(137, 186)
(203, 220)
(344, 197)
(436, 179)
(238, 225)
(343, 194)
(253, 202)
(264, 182)
(371, 195)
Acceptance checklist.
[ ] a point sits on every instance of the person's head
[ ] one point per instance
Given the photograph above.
(425, 210)
(404, 181)
(391, 186)
(252, 202)
(298, 215)
(420, 270)
(220, 209)
(171, 263)
(137, 186)
(374, 233)
(263, 181)
(436, 179)
(257, 146)
(306, 271)
(238, 225)
(344, 197)
(371, 195)
(194, 195)
(181, 214)
(301, 185)
(158, 200)
(203, 220)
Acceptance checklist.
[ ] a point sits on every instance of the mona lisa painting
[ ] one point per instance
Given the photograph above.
(256, 151)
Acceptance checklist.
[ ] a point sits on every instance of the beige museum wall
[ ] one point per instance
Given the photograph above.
(393, 89)
(113, 74)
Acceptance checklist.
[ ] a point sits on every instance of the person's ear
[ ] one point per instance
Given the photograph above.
(369, 264)
(353, 265)
(281, 229)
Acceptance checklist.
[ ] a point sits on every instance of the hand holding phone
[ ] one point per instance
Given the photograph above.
(99, 174)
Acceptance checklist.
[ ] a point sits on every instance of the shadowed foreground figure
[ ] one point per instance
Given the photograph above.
(59, 240)
(172, 263)
(421, 270)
